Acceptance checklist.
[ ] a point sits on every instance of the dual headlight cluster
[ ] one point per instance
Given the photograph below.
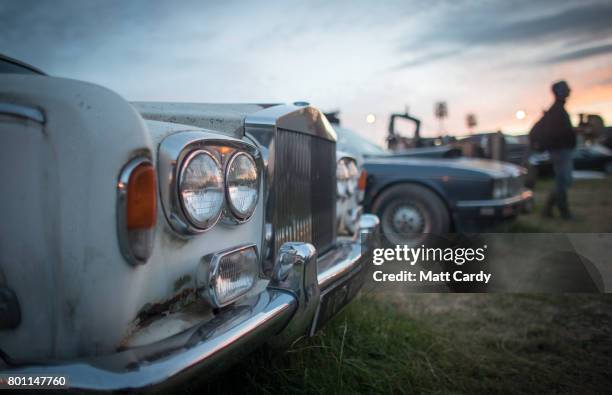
(204, 185)
(347, 177)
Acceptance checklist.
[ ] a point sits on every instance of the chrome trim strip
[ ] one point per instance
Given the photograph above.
(121, 208)
(525, 195)
(18, 110)
(207, 347)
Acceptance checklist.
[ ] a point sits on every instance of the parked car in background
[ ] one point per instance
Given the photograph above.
(515, 149)
(501, 147)
(495, 145)
(144, 243)
(596, 157)
(420, 199)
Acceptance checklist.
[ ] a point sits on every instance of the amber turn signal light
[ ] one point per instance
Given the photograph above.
(141, 197)
(137, 210)
(363, 178)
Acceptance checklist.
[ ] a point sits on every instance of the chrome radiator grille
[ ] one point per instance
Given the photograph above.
(305, 189)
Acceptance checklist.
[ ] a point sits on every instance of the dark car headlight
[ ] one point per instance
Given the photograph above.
(500, 188)
(507, 187)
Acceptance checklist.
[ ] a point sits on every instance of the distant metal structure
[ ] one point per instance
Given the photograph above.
(397, 142)
(441, 112)
(471, 121)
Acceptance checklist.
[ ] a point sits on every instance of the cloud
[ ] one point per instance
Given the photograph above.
(61, 33)
(580, 54)
(428, 58)
(592, 20)
(499, 24)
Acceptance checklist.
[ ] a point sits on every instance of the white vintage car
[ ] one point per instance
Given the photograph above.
(146, 242)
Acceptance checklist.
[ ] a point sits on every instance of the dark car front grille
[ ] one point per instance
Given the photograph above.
(304, 189)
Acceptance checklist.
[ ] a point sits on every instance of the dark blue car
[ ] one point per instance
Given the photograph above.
(422, 195)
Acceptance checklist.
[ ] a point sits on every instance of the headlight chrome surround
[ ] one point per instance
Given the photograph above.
(244, 214)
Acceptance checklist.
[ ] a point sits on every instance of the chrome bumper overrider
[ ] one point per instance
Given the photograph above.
(302, 294)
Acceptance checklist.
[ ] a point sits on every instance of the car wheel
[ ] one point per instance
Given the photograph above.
(411, 215)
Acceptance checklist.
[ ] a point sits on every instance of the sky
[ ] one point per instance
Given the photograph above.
(488, 58)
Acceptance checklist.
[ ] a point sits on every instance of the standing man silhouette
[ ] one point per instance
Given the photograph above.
(555, 134)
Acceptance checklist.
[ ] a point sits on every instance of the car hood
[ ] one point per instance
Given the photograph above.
(493, 168)
(226, 119)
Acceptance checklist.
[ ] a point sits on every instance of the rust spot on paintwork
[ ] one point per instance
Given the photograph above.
(152, 311)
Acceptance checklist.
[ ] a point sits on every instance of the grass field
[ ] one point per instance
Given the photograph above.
(452, 343)
(590, 202)
(442, 343)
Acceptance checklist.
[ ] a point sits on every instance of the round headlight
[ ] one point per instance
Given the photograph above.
(242, 185)
(201, 189)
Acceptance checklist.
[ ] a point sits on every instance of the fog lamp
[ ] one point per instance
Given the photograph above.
(227, 275)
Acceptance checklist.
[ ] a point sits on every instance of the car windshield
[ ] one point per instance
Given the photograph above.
(353, 142)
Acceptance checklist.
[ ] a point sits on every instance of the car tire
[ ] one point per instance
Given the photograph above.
(401, 207)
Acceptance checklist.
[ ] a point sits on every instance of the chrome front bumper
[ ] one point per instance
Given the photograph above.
(304, 292)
